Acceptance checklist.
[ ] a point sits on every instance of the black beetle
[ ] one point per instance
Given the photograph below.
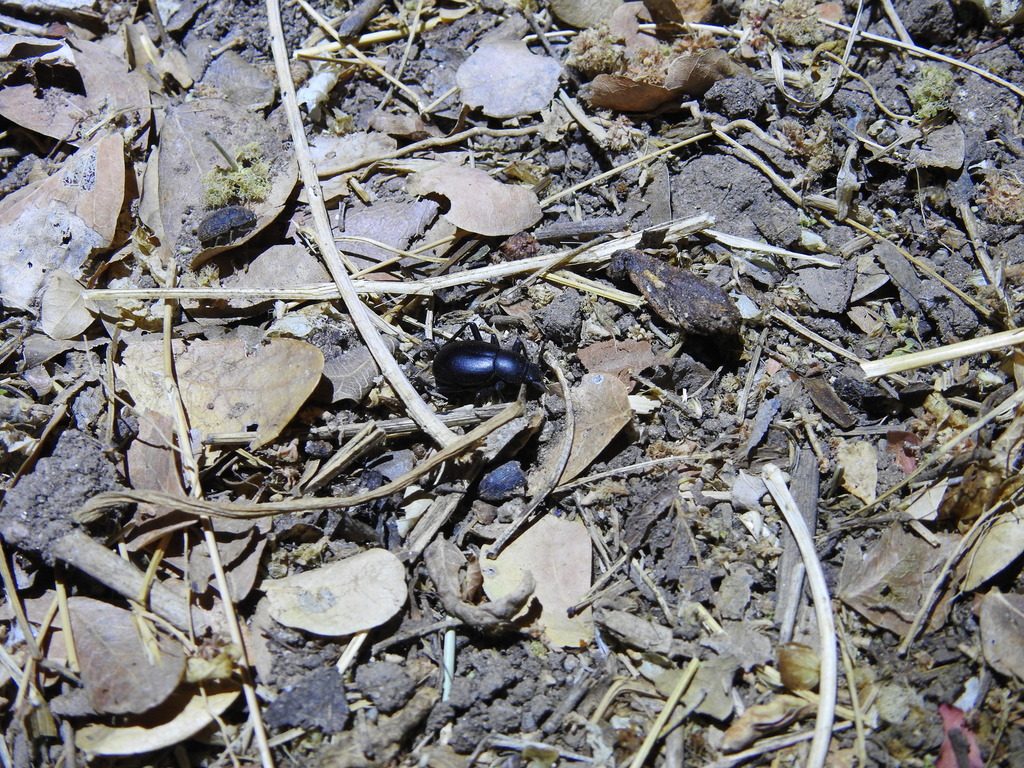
(221, 226)
(475, 365)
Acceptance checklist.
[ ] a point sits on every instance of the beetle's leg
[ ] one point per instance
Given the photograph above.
(475, 331)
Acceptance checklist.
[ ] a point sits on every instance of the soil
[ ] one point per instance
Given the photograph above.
(695, 366)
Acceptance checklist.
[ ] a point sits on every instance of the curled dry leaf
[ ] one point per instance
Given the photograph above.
(557, 554)
(64, 311)
(478, 203)
(694, 73)
(445, 564)
(625, 94)
(58, 223)
(678, 11)
(602, 410)
(504, 79)
(190, 710)
(225, 385)
(353, 595)
(762, 719)
(122, 672)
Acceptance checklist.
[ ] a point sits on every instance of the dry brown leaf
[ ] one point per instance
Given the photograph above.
(478, 203)
(185, 714)
(602, 410)
(1001, 622)
(225, 385)
(353, 595)
(678, 11)
(887, 583)
(557, 553)
(122, 672)
(762, 719)
(505, 80)
(60, 222)
(620, 358)
(858, 462)
(694, 73)
(109, 90)
(625, 94)
(999, 546)
(173, 187)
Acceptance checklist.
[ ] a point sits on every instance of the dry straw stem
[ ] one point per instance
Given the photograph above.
(828, 684)
(324, 236)
(677, 693)
(875, 368)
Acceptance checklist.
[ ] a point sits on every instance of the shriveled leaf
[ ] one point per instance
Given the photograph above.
(584, 13)
(858, 461)
(225, 385)
(960, 744)
(944, 148)
(122, 672)
(557, 553)
(505, 80)
(998, 547)
(694, 73)
(625, 94)
(1002, 632)
(185, 714)
(478, 203)
(762, 719)
(355, 594)
(602, 410)
(59, 222)
(65, 313)
(887, 583)
(446, 566)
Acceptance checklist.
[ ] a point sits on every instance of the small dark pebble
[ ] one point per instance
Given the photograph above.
(223, 225)
(502, 483)
(679, 297)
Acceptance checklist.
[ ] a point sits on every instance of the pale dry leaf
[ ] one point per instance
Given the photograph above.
(331, 154)
(1001, 622)
(225, 385)
(678, 11)
(59, 222)
(478, 203)
(999, 546)
(584, 13)
(887, 583)
(122, 672)
(189, 711)
(557, 553)
(858, 462)
(602, 410)
(64, 311)
(353, 595)
(505, 80)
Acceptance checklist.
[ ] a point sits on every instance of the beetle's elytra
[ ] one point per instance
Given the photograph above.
(475, 365)
(223, 225)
